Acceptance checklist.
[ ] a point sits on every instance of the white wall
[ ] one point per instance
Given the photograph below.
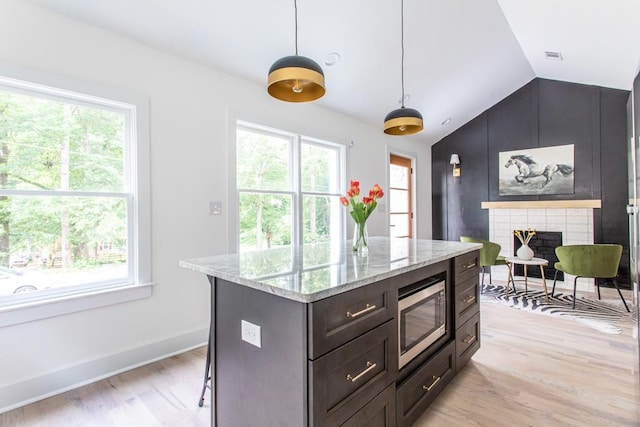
(189, 109)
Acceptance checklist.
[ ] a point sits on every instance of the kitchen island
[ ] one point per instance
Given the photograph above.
(309, 336)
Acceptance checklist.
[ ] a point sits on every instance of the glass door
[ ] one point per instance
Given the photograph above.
(400, 197)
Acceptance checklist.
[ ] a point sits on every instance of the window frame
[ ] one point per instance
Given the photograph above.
(136, 192)
(295, 178)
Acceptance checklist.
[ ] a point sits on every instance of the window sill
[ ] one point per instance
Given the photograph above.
(37, 310)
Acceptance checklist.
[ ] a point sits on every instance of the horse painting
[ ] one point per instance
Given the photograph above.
(528, 168)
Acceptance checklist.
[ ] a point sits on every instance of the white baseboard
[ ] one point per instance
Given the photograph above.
(31, 390)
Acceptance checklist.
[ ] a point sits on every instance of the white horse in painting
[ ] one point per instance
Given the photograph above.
(528, 168)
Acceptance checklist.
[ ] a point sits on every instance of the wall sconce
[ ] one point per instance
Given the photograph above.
(455, 161)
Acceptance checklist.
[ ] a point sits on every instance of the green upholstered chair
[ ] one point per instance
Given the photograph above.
(599, 261)
(489, 255)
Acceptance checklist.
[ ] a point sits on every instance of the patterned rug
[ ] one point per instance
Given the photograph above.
(602, 316)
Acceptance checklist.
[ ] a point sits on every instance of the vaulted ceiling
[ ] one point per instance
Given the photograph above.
(461, 56)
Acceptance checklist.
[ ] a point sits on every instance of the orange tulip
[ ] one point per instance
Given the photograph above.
(360, 210)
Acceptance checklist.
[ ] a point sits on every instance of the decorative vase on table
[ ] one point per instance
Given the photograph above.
(525, 252)
(360, 211)
(360, 238)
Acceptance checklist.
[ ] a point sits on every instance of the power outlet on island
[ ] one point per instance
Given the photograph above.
(251, 333)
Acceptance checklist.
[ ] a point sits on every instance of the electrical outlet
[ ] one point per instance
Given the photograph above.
(251, 333)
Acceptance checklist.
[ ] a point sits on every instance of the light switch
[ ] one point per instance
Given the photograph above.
(215, 208)
(251, 333)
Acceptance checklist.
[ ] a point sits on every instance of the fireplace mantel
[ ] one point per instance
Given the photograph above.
(543, 204)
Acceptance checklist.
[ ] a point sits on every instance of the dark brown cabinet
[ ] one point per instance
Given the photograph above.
(350, 376)
(334, 362)
(466, 308)
(418, 390)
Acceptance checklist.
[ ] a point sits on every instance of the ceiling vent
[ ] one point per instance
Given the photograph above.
(553, 55)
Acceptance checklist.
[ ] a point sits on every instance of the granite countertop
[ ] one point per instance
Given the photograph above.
(316, 271)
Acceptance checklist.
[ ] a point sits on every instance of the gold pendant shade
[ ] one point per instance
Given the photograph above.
(296, 79)
(403, 121)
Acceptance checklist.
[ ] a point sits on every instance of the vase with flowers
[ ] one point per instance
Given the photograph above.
(525, 252)
(360, 212)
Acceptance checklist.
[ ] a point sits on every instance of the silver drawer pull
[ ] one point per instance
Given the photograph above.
(367, 308)
(468, 299)
(469, 339)
(436, 380)
(469, 265)
(369, 367)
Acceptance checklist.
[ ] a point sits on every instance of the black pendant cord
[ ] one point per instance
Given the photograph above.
(402, 46)
(295, 7)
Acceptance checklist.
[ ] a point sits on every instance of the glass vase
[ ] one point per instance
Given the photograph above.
(360, 238)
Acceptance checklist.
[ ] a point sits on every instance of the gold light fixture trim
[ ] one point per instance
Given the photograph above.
(296, 78)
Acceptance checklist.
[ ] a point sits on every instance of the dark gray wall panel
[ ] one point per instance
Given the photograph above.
(613, 166)
(568, 114)
(439, 167)
(512, 125)
(542, 113)
(466, 192)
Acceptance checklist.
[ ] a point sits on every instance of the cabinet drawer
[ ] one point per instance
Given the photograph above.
(417, 392)
(466, 267)
(380, 412)
(466, 303)
(346, 379)
(337, 320)
(467, 341)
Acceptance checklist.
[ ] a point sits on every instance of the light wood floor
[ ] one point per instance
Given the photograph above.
(532, 370)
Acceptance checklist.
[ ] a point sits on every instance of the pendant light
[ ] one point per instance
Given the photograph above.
(296, 78)
(403, 121)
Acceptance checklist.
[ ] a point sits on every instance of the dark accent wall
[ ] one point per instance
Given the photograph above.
(542, 113)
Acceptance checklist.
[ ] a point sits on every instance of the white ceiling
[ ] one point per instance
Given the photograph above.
(461, 56)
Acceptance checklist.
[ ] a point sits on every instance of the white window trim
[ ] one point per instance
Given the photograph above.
(140, 225)
(297, 139)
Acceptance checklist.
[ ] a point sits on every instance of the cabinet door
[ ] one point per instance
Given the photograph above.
(467, 341)
(417, 392)
(346, 379)
(466, 267)
(339, 319)
(466, 300)
(380, 412)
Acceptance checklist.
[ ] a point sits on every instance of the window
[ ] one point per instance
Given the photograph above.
(289, 188)
(71, 201)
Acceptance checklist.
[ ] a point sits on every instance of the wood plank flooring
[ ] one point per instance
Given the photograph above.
(532, 370)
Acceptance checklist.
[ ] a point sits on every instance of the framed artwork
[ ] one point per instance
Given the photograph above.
(533, 171)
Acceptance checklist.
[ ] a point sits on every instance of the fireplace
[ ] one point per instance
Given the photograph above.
(575, 224)
(544, 245)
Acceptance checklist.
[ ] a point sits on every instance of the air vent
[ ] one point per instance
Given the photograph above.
(553, 55)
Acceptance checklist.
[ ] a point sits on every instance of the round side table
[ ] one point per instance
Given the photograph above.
(541, 262)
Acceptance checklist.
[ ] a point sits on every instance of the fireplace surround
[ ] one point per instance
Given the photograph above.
(575, 225)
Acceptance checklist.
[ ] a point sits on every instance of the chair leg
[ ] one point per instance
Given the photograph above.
(621, 297)
(555, 276)
(598, 286)
(207, 376)
(482, 284)
(575, 284)
(490, 279)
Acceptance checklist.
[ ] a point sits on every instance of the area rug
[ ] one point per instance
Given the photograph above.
(602, 316)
